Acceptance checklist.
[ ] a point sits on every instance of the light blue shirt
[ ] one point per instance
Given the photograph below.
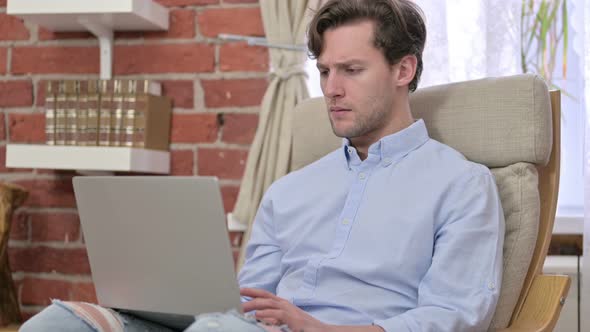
(409, 239)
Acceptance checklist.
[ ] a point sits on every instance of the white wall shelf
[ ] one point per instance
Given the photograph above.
(87, 158)
(99, 17)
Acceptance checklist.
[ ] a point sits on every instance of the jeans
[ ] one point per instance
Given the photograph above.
(57, 318)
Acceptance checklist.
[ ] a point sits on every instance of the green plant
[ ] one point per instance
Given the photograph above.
(542, 31)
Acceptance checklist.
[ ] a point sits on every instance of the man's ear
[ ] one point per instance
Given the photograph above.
(406, 70)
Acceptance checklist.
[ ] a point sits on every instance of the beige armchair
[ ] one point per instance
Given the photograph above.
(511, 125)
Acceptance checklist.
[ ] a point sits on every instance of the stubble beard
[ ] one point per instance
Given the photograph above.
(364, 123)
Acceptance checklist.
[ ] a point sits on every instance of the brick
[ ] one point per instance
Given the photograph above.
(46, 34)
(236, 92)
(3, 59)
(40, 95)
(2, 3)
(239, 128)
(235, 238)
(27, 128)
(181, 92)
(27, 313)
(16, 93)
(194, 128)
(244, 21)
(236, 255)
(182, 25)
(2, 129)
(175, 3)
(55, 59)
(230, 196)
(223, 163)
(55, 227)
(19, 229)
(242, 57)
(182, 162)
(45, 259)
(83, 291)
(49, 193)
(37, 291)
(12, 28)
(167, 58)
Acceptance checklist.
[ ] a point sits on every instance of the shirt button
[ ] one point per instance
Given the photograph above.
(345, 222)
(491, 286)
(386, 162)
(349, 150)
(362, 176)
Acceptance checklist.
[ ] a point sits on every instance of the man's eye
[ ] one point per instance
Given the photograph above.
(353, 70)
(323, 73)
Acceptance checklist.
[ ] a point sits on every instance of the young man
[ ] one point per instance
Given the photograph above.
(393, 231)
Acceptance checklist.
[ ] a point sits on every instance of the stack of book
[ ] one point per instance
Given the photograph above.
(126, 112)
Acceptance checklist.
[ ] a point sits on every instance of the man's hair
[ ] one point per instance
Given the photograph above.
(399, 27)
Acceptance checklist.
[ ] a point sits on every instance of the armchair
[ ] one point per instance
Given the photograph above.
(511, 125)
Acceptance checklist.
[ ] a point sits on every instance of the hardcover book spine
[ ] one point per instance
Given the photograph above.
(50, 100)
(82, 121)
(60, 119)
(93, 121)
(115, 138)
(139, 121)
(104, 112)
(51, 91)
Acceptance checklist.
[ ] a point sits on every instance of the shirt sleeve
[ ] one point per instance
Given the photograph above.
(261, 268)
(460, 290)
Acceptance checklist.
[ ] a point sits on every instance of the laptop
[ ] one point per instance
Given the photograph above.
(158, 246)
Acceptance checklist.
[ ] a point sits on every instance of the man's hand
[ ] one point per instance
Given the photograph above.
(276, 311)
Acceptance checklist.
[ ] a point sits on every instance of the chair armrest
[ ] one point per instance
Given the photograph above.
(542, 305)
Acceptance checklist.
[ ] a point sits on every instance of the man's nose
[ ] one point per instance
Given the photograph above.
(333, 86)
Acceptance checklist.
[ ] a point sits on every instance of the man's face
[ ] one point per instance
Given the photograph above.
(357, 81)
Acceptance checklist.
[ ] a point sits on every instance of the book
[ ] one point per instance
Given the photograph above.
(104, 113)
(71, 89)
(93, 106)
(49, 106)
(117, 106)
(60, 116)
(147, 121)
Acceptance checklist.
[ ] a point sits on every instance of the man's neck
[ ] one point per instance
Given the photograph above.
(362, 143)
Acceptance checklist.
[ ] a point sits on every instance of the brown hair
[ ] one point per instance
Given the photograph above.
(399, 27)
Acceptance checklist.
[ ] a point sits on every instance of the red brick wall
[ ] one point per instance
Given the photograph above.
(216, 87)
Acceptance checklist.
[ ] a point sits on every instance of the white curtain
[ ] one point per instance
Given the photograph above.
(285, 22)
(585, 291)
(470, 39)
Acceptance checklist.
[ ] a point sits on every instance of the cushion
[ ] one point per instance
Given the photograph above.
(493, 121)
(519, 194)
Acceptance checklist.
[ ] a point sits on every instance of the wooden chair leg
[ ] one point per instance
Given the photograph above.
(11, 197)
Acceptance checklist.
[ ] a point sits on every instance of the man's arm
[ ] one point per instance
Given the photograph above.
(263, 254)
(460, 290)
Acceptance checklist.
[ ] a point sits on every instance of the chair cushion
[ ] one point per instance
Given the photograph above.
(493, 121)
(519, 194)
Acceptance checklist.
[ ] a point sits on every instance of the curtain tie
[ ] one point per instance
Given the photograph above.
(284, 73)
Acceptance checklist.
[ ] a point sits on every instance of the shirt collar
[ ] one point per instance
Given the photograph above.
(391, 148)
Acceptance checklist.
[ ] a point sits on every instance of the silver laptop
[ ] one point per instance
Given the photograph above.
(158, 246)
